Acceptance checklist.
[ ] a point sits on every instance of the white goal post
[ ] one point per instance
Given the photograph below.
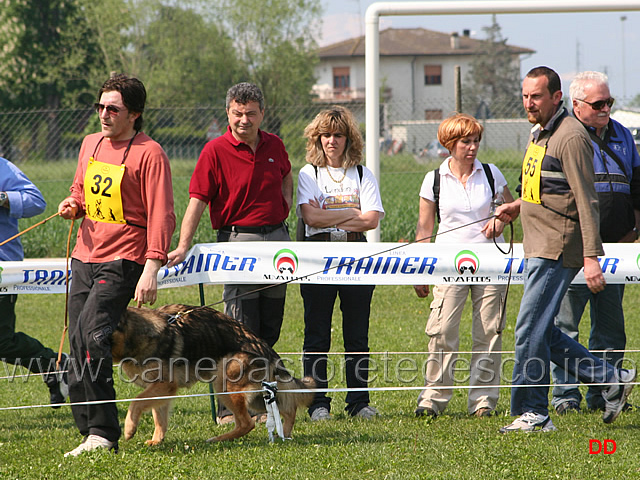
(453, 7)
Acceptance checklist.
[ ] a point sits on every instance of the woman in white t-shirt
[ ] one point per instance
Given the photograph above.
(465, 196)
(339, 200)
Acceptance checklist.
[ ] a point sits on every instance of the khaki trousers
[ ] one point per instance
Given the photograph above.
(443, 329)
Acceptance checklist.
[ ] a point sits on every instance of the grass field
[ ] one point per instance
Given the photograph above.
(394, 446)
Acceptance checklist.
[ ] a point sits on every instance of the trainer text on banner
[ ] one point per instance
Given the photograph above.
(352, 263)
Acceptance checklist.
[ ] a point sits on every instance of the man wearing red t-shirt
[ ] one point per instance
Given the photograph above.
(245, 178)
(123, 193)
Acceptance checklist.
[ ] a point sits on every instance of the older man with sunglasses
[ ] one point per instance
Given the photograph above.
(617, 168)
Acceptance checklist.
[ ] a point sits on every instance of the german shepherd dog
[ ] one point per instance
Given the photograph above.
(176, 346)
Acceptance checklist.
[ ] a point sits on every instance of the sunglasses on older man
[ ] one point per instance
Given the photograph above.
(599, 105)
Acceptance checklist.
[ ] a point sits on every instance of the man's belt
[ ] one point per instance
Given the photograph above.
(327, 237)
(262, 229)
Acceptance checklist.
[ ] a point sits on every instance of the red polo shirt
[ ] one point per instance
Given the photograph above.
(242, 188)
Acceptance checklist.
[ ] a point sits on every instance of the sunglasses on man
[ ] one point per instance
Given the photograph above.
(111, 110)
(599, 105)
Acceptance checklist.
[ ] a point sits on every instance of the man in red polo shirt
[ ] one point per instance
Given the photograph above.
(245, 178)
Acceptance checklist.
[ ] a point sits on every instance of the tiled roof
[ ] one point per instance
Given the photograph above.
(411, 41)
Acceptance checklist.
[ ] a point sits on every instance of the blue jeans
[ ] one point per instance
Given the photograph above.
(538, 341)
(607, 332)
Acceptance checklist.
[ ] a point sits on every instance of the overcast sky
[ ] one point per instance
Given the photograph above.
(566, 42)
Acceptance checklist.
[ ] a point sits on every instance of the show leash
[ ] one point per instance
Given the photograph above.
(41, 222)
(66, 297)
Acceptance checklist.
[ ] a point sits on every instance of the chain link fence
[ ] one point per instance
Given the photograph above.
(45, 144)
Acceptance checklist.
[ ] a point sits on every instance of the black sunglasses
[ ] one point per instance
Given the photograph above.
(113, 111)
(599, 105)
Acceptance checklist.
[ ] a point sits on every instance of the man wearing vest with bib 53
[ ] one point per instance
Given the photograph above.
(560, 222)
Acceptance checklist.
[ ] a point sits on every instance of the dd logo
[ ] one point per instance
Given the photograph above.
(606, 446)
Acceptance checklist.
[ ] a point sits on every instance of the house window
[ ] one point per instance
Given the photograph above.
(433, 114)
(341, 79)
(433, 74)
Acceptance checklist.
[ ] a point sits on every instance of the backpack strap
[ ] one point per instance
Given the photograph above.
(300, 228)
(359, 167)
(490, 179)
(436, 185)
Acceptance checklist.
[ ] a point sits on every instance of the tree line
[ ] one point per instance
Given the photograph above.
(57, 53)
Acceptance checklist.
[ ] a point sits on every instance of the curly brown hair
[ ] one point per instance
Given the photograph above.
(337, 119)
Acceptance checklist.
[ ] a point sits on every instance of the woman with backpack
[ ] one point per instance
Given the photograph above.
(462, 191)
(339, 200)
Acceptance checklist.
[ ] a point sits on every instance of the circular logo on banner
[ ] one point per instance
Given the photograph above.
(285, 260)
(638, 261)
(467, 261)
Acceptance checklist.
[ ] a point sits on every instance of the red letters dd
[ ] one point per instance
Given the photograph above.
(606, 446)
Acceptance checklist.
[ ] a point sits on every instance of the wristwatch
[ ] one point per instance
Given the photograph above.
(4, 198)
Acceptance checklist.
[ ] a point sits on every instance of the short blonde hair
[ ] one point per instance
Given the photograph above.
(456, 127)
(334, 120)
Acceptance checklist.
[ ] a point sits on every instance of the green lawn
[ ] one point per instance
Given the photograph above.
(394, 446)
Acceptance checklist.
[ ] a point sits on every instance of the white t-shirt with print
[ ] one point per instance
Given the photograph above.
(347, 192)
(460, 205)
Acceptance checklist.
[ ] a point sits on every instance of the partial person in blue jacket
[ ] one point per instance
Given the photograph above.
(617, 171)
(20, 198)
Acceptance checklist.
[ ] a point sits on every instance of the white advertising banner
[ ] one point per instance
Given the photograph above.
(327, 262)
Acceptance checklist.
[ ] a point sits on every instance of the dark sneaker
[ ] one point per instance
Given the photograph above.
(320, 414)
(615, 397)
(425, 412)
(530, 422)
(57, 383)
(367, 412)
(570, 406)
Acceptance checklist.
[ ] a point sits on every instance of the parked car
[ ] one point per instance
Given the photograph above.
(434, 150)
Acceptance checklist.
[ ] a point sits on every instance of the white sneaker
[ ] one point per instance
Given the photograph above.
(530, 422)
(320, 413)
(92, 442)
(615, 397)
(367, 413)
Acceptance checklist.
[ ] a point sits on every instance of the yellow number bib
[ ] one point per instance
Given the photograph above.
(531, 169)
(102, 195)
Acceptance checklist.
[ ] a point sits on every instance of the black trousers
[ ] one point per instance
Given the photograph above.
(100, 293)
(355, 304)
